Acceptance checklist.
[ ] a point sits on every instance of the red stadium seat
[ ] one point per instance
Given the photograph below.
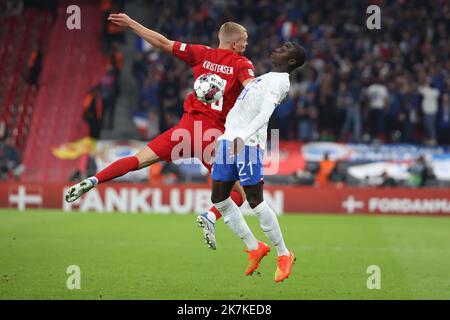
(57, 112)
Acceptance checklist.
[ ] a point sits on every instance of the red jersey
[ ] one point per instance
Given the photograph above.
(230, 66)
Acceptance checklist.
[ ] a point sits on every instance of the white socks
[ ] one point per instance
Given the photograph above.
(269, 224)
(94, 180)
(233, 218)
(211, 216)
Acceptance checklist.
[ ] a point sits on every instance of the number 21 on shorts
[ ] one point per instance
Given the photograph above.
(242, 170)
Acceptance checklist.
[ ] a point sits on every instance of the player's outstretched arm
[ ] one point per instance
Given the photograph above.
(154, 38)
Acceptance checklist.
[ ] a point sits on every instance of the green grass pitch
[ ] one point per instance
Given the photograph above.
(140, 256)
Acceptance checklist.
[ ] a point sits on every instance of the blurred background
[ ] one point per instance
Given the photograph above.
(369, 108)
(365, 129)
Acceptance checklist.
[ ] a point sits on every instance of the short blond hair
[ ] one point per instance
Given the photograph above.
(231, 31)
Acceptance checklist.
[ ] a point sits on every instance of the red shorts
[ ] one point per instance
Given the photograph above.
(193, 137)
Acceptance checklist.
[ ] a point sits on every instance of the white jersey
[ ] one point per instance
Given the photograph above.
(378, 94)
(250, 115)
(430, 100)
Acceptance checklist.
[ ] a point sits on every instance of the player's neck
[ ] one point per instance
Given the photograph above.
(224, 47)
(280, 69)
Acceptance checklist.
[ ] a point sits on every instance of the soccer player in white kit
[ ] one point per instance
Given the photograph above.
(239, 154)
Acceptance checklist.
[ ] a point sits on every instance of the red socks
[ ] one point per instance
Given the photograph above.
(125, 165)
(117, 169)
(235, 196)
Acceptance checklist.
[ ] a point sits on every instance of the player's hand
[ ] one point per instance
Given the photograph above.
(236, 146)
(121, 19)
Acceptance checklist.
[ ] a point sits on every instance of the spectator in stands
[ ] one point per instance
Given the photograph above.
(116, 62)
(377, 99)
(282, 115)
(306, 117)
(87, 167)
(107, 89)
(327, 100)
(348, 101)
(10, 160)
(116, 58)
(326, 168)
(339, 174)
(430, 97)
(34, 66)
(444, 120)
(409, 113)
(340, 50)
(2, 129)
(387, 181)
(168, 94)
(420, 173)
(391, 120)
(139, 70)
(93, 111)
(150, 95)
(371, 181)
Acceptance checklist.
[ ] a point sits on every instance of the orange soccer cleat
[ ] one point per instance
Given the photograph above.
(255, 257)
(284, 267)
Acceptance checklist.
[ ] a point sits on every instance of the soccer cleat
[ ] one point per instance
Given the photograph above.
(284, 267)
(208, 230)
(255, 257)
(79, 189)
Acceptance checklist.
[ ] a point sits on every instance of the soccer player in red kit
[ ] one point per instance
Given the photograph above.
(226, 61)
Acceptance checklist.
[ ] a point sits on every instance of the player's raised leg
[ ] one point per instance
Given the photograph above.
(269, 224)
(207, 220)
(142, 159)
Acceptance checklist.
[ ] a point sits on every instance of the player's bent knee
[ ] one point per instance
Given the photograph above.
(147, 157)
(215, 197)
(254, 200)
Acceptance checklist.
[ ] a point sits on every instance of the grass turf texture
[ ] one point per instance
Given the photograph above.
(126, 256)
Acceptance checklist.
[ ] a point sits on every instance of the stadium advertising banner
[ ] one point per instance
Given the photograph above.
(291, 156)
(287, 154)
(373, 160)
(188, 198)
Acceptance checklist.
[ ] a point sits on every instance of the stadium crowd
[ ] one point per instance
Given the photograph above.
(359, 85)
(99, 105)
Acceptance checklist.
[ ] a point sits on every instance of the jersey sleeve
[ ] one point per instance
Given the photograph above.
(277, 91)
(189, 53)
(246, 71)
